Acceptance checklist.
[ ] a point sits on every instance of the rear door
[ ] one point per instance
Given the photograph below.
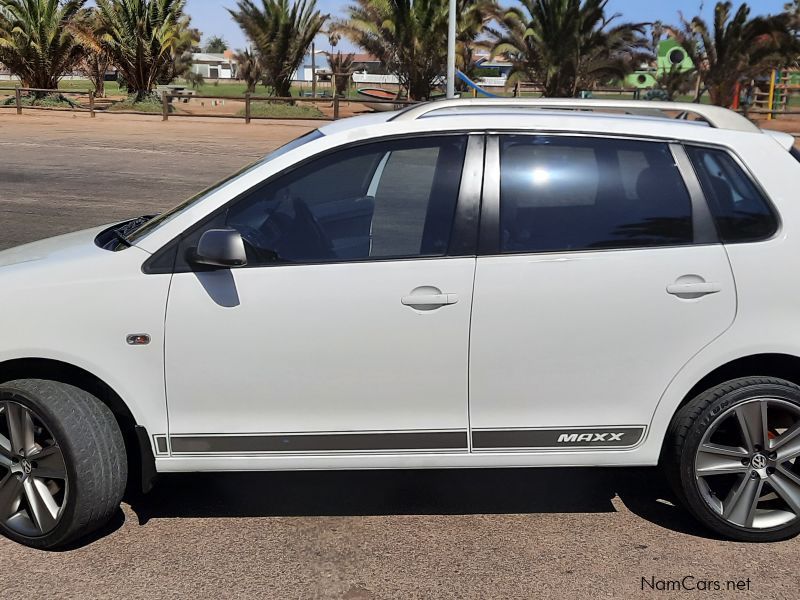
(601, 276)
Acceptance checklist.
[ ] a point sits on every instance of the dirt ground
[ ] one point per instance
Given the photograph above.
(63, 171)
(556, 533)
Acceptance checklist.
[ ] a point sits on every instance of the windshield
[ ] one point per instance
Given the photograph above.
(152, 224)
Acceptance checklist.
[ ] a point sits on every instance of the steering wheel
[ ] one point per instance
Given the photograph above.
(303, 212)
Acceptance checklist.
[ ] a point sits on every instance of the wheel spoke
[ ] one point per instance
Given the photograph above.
(740, 505)
(20, 428)
(43, 507)
(49, 464)
(5, 451)
(787, 486)
(753, 421)
(713, 459)
(787, 436)
(10, 493)
(788, 449)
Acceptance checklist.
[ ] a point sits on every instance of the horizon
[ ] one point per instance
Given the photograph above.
(212, 18)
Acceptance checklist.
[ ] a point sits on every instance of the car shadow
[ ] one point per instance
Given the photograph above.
(415, 492)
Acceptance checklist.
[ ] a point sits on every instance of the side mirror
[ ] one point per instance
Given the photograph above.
(219, 248)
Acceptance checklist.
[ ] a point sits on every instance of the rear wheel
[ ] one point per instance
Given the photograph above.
(62, 463)
(733, 459)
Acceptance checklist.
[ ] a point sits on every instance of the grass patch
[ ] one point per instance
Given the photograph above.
(145, 106)
(49, 101)
(282, 110)
(84, 85)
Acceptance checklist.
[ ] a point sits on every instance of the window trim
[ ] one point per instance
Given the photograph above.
(463, 236)
(776, 214)
(490, 213)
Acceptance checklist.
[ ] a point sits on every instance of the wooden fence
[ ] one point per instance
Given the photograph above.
(19, 105)
(167, 99)
(248, 100)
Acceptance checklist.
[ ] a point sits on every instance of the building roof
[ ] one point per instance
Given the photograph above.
(363, 57)
(211, 58)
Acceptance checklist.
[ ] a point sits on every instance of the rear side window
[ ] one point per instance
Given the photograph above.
(740, 211)
(566, 194)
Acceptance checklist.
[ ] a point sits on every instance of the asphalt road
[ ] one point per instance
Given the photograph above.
(583, 533)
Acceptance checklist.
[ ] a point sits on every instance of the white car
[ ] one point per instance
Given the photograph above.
(513, 283)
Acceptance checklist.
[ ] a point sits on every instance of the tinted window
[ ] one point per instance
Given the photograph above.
(387, 200)
(561, 193)
(740, 211)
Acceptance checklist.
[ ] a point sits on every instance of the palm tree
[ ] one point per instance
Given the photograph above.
(737, 48)
(281, 32)
(567, 45)
(216, 45)
(249, 69)
(180, 62)
(408, 36)
(37, 40)
(341, 68)
(95, 62)
(473, 19)
(147, 41)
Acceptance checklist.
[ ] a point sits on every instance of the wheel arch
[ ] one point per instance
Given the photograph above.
(765, 364)
(141, 461)
(783, 366)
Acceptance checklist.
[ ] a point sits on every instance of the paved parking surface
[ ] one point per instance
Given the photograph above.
(584, 533)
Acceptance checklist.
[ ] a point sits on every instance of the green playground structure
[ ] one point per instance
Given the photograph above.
(671, 55)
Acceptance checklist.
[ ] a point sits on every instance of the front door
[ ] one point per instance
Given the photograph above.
(349, 328)
(603, 282)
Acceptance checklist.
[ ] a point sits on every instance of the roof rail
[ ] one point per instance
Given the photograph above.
(715, 116)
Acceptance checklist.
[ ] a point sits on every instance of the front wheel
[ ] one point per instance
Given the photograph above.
(732, 458)
(63, 467)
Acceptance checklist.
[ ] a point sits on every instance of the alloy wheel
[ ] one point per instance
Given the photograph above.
(747, 467)
(33, 475)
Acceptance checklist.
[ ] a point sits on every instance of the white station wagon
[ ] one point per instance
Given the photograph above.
(510, 283)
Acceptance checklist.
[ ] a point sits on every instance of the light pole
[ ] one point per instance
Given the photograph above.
(451, 52)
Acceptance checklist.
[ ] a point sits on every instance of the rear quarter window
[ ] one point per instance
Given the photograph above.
(740, 210)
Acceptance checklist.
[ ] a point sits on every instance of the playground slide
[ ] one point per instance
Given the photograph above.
(474, 85)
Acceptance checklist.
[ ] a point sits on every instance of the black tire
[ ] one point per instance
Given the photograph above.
(686, 433)
(93, 449)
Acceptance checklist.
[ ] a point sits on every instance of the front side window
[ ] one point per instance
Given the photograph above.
(740, 210)
(393, 199)
(570, 194)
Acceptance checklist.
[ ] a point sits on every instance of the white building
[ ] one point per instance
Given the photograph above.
(214, 66)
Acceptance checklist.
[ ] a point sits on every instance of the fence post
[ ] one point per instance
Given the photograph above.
(336, 108)
(247, 109)
(91, 104)
(165, 106)
(19, 100)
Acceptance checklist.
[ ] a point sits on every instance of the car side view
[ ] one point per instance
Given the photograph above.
(463, 283)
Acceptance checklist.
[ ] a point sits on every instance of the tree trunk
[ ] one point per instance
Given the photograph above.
(283, 88)
(722, 94)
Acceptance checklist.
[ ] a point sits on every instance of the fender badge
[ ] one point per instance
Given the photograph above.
(138, 339)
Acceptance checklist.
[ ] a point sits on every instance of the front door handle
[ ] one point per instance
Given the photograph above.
(694, 289)
(429, 300)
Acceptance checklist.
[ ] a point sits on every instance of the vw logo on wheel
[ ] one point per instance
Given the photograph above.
(759, 461)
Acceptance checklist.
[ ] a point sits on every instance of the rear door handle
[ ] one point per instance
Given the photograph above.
(701, 288)
(429, 299)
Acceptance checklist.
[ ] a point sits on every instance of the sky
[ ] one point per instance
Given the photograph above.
(212, 18)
